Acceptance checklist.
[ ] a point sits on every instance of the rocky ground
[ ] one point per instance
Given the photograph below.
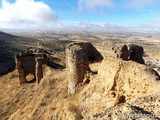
(131, 93)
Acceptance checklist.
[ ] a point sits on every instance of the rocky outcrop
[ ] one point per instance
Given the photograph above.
(121, 51)
(37, 50)
(125, 52)
(146, 108)
(78, 57)
(155, 65)
(80, 54)
(136, 53)
(29, 63)
(117, 82)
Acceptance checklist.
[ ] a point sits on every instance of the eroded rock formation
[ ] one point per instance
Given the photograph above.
(125, 52)
(29, 63)
(78, 57)
(136, 53)
(80, 54)
(121, 51)
(39, 70)
(117, 82)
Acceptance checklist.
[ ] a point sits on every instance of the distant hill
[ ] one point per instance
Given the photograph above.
(4, 36)
(9, 44)
(7, 53)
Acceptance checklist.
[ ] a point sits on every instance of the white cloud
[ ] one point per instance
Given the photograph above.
(83, 26)
(93, 4)
(26, 14)
(141, 3)
(91, 27)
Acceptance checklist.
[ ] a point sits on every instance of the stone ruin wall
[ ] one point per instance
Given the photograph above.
(29, 63)
(39, 70)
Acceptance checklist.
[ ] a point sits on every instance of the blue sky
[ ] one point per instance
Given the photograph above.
(67, 11)
(131, 13)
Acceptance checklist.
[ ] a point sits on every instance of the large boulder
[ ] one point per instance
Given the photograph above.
(136, 53)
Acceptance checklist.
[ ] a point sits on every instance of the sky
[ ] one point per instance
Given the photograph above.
(93, 15)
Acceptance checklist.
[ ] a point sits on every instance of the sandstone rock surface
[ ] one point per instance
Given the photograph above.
(118, 82)
(121, 51)
(125, 52)
(78, 57)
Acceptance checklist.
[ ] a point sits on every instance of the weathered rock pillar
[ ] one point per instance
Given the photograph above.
(77, 65)
(20, 72)
(78, 56)
(39, 70)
